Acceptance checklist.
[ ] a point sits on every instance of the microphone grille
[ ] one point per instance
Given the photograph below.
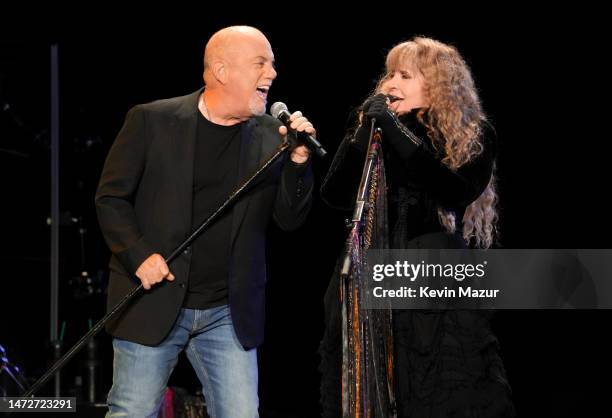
(277, 108)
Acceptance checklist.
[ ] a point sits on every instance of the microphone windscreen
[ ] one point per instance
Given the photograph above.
(277, 108)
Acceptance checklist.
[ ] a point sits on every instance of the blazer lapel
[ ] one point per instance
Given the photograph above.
(185, 132)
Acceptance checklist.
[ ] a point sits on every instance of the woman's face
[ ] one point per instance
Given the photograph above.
(406, 85)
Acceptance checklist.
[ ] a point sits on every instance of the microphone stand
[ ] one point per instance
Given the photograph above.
(354, 388)
(367, 336)
(361, 200)
(137, 290)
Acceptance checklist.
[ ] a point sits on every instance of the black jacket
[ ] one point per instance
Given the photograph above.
(417, 180)
(144, 205)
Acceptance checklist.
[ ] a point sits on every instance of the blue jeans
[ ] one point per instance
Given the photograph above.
(227, 371)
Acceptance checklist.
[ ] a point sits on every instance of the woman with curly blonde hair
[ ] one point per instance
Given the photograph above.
(439, 156)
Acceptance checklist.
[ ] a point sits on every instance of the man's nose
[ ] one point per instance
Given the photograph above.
(272, 73)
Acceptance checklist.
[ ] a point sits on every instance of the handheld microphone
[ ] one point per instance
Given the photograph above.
(279, 110)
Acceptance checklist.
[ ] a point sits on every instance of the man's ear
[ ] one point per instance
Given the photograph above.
(219, 71)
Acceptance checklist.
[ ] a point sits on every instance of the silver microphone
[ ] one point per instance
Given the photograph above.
(279, 110)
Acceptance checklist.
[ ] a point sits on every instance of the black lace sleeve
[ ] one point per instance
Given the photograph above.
(339, 188)
(452, 188)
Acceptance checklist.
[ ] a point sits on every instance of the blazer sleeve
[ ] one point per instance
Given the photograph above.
(294, 195)
(116, 191)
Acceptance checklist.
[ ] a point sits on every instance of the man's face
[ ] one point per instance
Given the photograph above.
(251, 72)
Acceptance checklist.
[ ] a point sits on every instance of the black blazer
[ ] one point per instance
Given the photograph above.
(144, 205)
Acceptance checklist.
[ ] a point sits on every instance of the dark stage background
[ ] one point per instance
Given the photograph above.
(552, 177)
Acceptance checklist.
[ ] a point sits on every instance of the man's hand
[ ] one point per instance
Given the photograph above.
(153, 270)
(301, 153)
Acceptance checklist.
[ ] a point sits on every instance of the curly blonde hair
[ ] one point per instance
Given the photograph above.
(454, 121)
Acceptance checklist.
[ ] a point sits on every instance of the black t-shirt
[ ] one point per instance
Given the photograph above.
(214, 178)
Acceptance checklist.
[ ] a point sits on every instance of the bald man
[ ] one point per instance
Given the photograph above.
(172, 164)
